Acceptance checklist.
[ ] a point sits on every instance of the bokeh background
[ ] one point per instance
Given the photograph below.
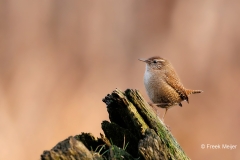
(59, 58)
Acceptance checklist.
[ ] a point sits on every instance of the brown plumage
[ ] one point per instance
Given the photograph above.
(163, 85)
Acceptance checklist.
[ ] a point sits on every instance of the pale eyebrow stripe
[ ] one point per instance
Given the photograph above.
(161, 60)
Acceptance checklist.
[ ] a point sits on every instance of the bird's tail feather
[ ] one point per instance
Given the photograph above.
(189, 91)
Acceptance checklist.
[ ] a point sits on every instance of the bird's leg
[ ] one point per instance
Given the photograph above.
(166, 106)
(164, 114)
(163, 105)
(168, 127)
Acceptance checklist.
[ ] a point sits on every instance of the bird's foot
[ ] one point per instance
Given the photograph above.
(168, 127)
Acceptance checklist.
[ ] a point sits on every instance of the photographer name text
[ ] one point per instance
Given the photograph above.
(219, 146)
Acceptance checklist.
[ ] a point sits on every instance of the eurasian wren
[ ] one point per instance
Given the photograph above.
(163, 85)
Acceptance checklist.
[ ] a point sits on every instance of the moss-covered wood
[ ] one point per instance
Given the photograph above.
(134, 132)
(171, 146)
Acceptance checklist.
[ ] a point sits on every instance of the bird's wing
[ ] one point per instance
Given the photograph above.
(173, 80)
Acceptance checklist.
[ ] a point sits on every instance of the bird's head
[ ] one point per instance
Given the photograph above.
(155, 63)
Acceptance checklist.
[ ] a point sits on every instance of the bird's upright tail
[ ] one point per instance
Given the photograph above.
(189, 91)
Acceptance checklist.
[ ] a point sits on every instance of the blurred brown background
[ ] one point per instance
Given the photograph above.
(58, 59)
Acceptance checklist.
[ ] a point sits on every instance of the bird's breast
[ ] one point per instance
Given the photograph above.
(153, 85)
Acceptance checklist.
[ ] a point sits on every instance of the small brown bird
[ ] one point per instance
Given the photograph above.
(163, 85)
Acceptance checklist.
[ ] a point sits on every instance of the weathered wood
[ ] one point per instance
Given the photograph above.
(152, 146)
(124, 113)
(134, 130)
(129, 110)
(90, 141)
(121, 137)
(70, 149)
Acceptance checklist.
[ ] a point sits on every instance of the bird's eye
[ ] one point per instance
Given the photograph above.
(154, 61)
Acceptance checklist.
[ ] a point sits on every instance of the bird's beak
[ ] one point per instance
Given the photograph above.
(143, 60)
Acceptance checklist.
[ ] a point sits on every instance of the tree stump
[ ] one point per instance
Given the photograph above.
(134, 132)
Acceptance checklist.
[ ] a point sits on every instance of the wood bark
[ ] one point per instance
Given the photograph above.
(134, 132)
